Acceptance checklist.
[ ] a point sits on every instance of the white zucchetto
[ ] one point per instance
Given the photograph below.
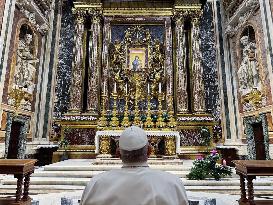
(133, 138)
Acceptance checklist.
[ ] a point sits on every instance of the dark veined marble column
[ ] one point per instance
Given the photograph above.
(94, 64)
(182, 94)
(197, 68)
(78, 63)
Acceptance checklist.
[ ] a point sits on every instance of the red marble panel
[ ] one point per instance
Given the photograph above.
(2, 8)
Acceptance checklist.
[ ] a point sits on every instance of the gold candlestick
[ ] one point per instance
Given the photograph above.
(114, 120)
(137, 78)
(149, 122)
(102, 120)
(160, 122)
(137, 117)
(126, 121)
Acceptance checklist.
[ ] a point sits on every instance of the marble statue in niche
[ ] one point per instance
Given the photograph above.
(250, 80)
(248, 72)
(26, 64)
(24, 67)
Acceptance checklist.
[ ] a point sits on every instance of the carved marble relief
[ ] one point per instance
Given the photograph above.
(182, 94)
(94, 64)
(197, 68)
(78, 64)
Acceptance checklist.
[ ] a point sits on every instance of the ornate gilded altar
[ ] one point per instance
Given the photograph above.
(165, 143)
(135, 65)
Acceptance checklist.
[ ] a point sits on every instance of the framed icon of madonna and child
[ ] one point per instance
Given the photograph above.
(137, 59)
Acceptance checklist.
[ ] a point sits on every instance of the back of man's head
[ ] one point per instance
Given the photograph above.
(133, 145)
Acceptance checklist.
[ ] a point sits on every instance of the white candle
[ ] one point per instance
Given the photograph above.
(159, 87)
(126, 88)
(104, 87)
(148, 88)
(115, 87)
(224, 162)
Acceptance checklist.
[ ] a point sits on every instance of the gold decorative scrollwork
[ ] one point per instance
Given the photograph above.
(170, 145)
(104, 145)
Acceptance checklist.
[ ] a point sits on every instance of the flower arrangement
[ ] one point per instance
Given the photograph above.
(207, 167)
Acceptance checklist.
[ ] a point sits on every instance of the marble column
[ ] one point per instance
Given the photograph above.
(78, 64)
(197, 68)
(94, 64)
(182, 94)
(105, 58)
(169, 63)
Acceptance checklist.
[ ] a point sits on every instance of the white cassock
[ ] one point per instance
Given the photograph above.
(132, 185)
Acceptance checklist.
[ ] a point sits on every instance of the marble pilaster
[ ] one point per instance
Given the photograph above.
(6, 34)
(267, 21)
(78, 64)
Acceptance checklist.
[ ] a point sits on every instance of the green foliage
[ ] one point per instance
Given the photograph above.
(205, 136)
(64, 143)
(208, 168)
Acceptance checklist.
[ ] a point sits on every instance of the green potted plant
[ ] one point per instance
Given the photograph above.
(207, 167)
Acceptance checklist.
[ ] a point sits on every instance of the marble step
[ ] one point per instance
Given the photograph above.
(109, 167)
(82, 181)
(150, 162)
(43, 187)
(9, 190)
(52, 181)
(87, 174)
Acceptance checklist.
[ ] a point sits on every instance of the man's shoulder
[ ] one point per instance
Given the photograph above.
(103, 175)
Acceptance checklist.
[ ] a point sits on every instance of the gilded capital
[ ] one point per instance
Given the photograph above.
(80, 16)
(95, 14)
